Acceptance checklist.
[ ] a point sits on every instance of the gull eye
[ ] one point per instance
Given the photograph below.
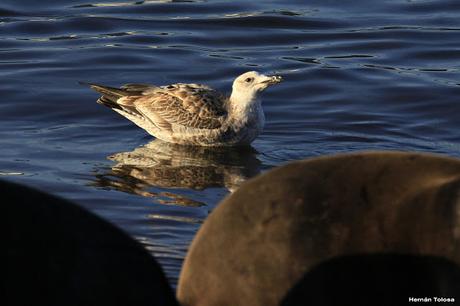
(249, 80)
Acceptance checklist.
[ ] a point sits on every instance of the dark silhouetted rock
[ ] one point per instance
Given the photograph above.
(263, 238)
(379, 279)
(59, 254)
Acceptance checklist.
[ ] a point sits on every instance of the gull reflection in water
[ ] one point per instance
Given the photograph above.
(165, 165)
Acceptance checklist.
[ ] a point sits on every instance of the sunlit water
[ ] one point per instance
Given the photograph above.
(358, 76)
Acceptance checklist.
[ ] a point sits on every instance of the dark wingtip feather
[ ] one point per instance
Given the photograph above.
(110, 95)
(111, 92)
(106, 101)
(84, 83)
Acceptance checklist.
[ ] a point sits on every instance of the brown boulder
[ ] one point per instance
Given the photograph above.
(263, 238)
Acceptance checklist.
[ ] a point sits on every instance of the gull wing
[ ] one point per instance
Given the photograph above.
(188, 105)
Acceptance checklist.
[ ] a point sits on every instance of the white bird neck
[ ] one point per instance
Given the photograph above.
(242, 104)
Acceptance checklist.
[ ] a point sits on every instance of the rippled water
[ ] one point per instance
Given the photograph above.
(359, 75)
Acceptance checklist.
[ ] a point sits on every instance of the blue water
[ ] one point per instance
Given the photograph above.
(359, 75)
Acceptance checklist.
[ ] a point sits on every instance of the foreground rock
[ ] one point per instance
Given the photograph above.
(378, 279)
(60, 254)
(259, 242)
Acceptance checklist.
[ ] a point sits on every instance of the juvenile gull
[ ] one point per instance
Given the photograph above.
(193, 114)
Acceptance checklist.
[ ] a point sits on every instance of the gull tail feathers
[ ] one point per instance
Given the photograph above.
(106, 101)
(110, 95)
(110, 92)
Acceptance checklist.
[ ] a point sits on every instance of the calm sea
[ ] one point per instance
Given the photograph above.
(359, 75)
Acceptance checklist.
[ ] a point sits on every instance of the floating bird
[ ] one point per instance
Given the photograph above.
(193, 114)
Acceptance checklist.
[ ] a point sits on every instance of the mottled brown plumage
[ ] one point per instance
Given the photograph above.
(189, 105)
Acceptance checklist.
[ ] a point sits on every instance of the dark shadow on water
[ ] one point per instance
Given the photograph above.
(165, 165)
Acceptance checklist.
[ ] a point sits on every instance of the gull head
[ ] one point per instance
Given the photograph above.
(249, 84)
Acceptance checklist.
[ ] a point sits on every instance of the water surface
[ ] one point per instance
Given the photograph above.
(359, 75)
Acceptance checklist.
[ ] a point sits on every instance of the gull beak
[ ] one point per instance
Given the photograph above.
(271, 80)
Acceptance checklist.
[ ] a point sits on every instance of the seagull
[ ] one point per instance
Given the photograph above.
(193, 114)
